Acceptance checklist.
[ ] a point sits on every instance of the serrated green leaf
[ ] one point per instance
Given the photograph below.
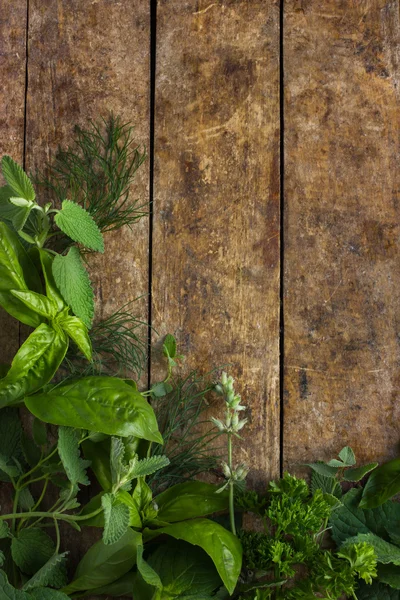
(117, 464)
(385, 551)
(148, 466)
(69, 452)
(78, 332)
(323, 469)
(10, 437)
(7, 210)
(79, 225)
(47, 594)
(31, 550)
(116, 519)
(53, 573)
(8, 592)
(17, 179)
(328, 485)
(169, 346)
(358, 473)
(383, 484)
(9, 469)
(389, 574)
(347, 456)
(73, 281)
(25, 499)
(4, 530)
(376, 591)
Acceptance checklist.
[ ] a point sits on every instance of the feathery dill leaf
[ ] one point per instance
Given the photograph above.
(185, 428)
(96, 171)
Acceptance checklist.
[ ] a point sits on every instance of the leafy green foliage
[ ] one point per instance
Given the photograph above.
(73, 281)
(383, 484)
(97, 171)
(190, 500)
(52, 573)
(116, 519)
(10, 439)
(17, 179)
(31, 549)
(68, 450)
(79, 225)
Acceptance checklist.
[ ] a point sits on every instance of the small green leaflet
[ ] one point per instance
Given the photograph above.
(346, 455)
(31, 549)
(73, 281)
(116, 519)
(25, 499)
(169, 346)
(68, 449)
(4, 530)
(17, 179)
(79, 225)
(148, 466)
(358, 473)
(147, 572)
(52, 573)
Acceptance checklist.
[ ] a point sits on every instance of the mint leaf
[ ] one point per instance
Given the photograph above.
(25, 499)
(389, 574)
(347, 456)
(31, 549)
(7, 210)
(4, 530)
(69, 452)
(52, 574)
(148, 466)
(17, 179)
(376, 591)
(47, 594)
(8, 592)
(117, 454)
(328, 485)
(323, 469)
(358, 473)
(79, 225)
(73, 281)
(7, 468)
(169, 346)
(116, 519)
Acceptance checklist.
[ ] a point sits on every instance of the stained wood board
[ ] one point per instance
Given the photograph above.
(341, 236)
(85, 60)
(216, 202)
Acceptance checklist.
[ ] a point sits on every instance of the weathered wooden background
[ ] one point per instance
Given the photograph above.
(274, 243)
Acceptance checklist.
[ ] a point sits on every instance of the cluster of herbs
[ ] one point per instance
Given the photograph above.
(163, 533)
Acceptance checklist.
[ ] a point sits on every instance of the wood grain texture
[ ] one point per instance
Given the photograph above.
(12, 109)
(342, 254)
(216, 201)
(85, 60)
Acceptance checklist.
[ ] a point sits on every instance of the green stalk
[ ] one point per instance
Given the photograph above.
(47, 515)
(231, 495)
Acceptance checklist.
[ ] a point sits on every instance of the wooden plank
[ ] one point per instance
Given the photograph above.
(12, 109)
(216, 201)
(86, 59)
(342, 214)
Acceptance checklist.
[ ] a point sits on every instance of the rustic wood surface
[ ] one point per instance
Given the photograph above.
(216, 201)
(85, 60)
(342, 214)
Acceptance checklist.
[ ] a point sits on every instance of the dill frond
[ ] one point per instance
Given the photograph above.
(96, 171)
(187, 432)
(119, 348)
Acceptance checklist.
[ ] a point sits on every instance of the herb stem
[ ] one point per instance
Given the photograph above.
(49, 515)
(231, 483)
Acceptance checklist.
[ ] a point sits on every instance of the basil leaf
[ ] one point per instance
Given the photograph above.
(99, 456)
(52, 290)
(104, 564)
(220, 544)
(78, 332)
(17, 272)
(36, 302)
(121, 587)
(383, 484)
(34, 365)
(189, 500)
(102, 404)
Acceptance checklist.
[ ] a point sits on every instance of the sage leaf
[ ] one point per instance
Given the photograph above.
(72, 279)
(189, 500)
(383, 484)
(17, 179)
(102, 564)
(79, 225)
(31, 549)
(103, 404)
(220, 544)
(69, 452)
(116, 519)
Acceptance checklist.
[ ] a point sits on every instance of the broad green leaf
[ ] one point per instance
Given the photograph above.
(52, 291)
(169, 346)
(72, 279)
(17, 179)
(117, 462)
(122, 587)
(17, 272)
(22, 213)
(37, 303)
(25, 500)
(159, 390)
(385, 551)
(142, 495)
(34, 365)
(147, 572)
(383, 484)
(69, 452)
(10, 437)
(39, 431)
(347, 456)
(79, 225)
(116, 519)
(349, 520)
(31, 549)
(7, 210)
(220, 544)
(52, 574)
(8, 592)
(376, 591)
(328, 485)
(323, 469)
(122, 497)
(4, 530)
(389, 574)
(7, 467)
(184, 569)
(77, 331)
(47, 594)
(190, 500)
(103, 404)
(103, 564)
(358, 473)
(99, 456)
